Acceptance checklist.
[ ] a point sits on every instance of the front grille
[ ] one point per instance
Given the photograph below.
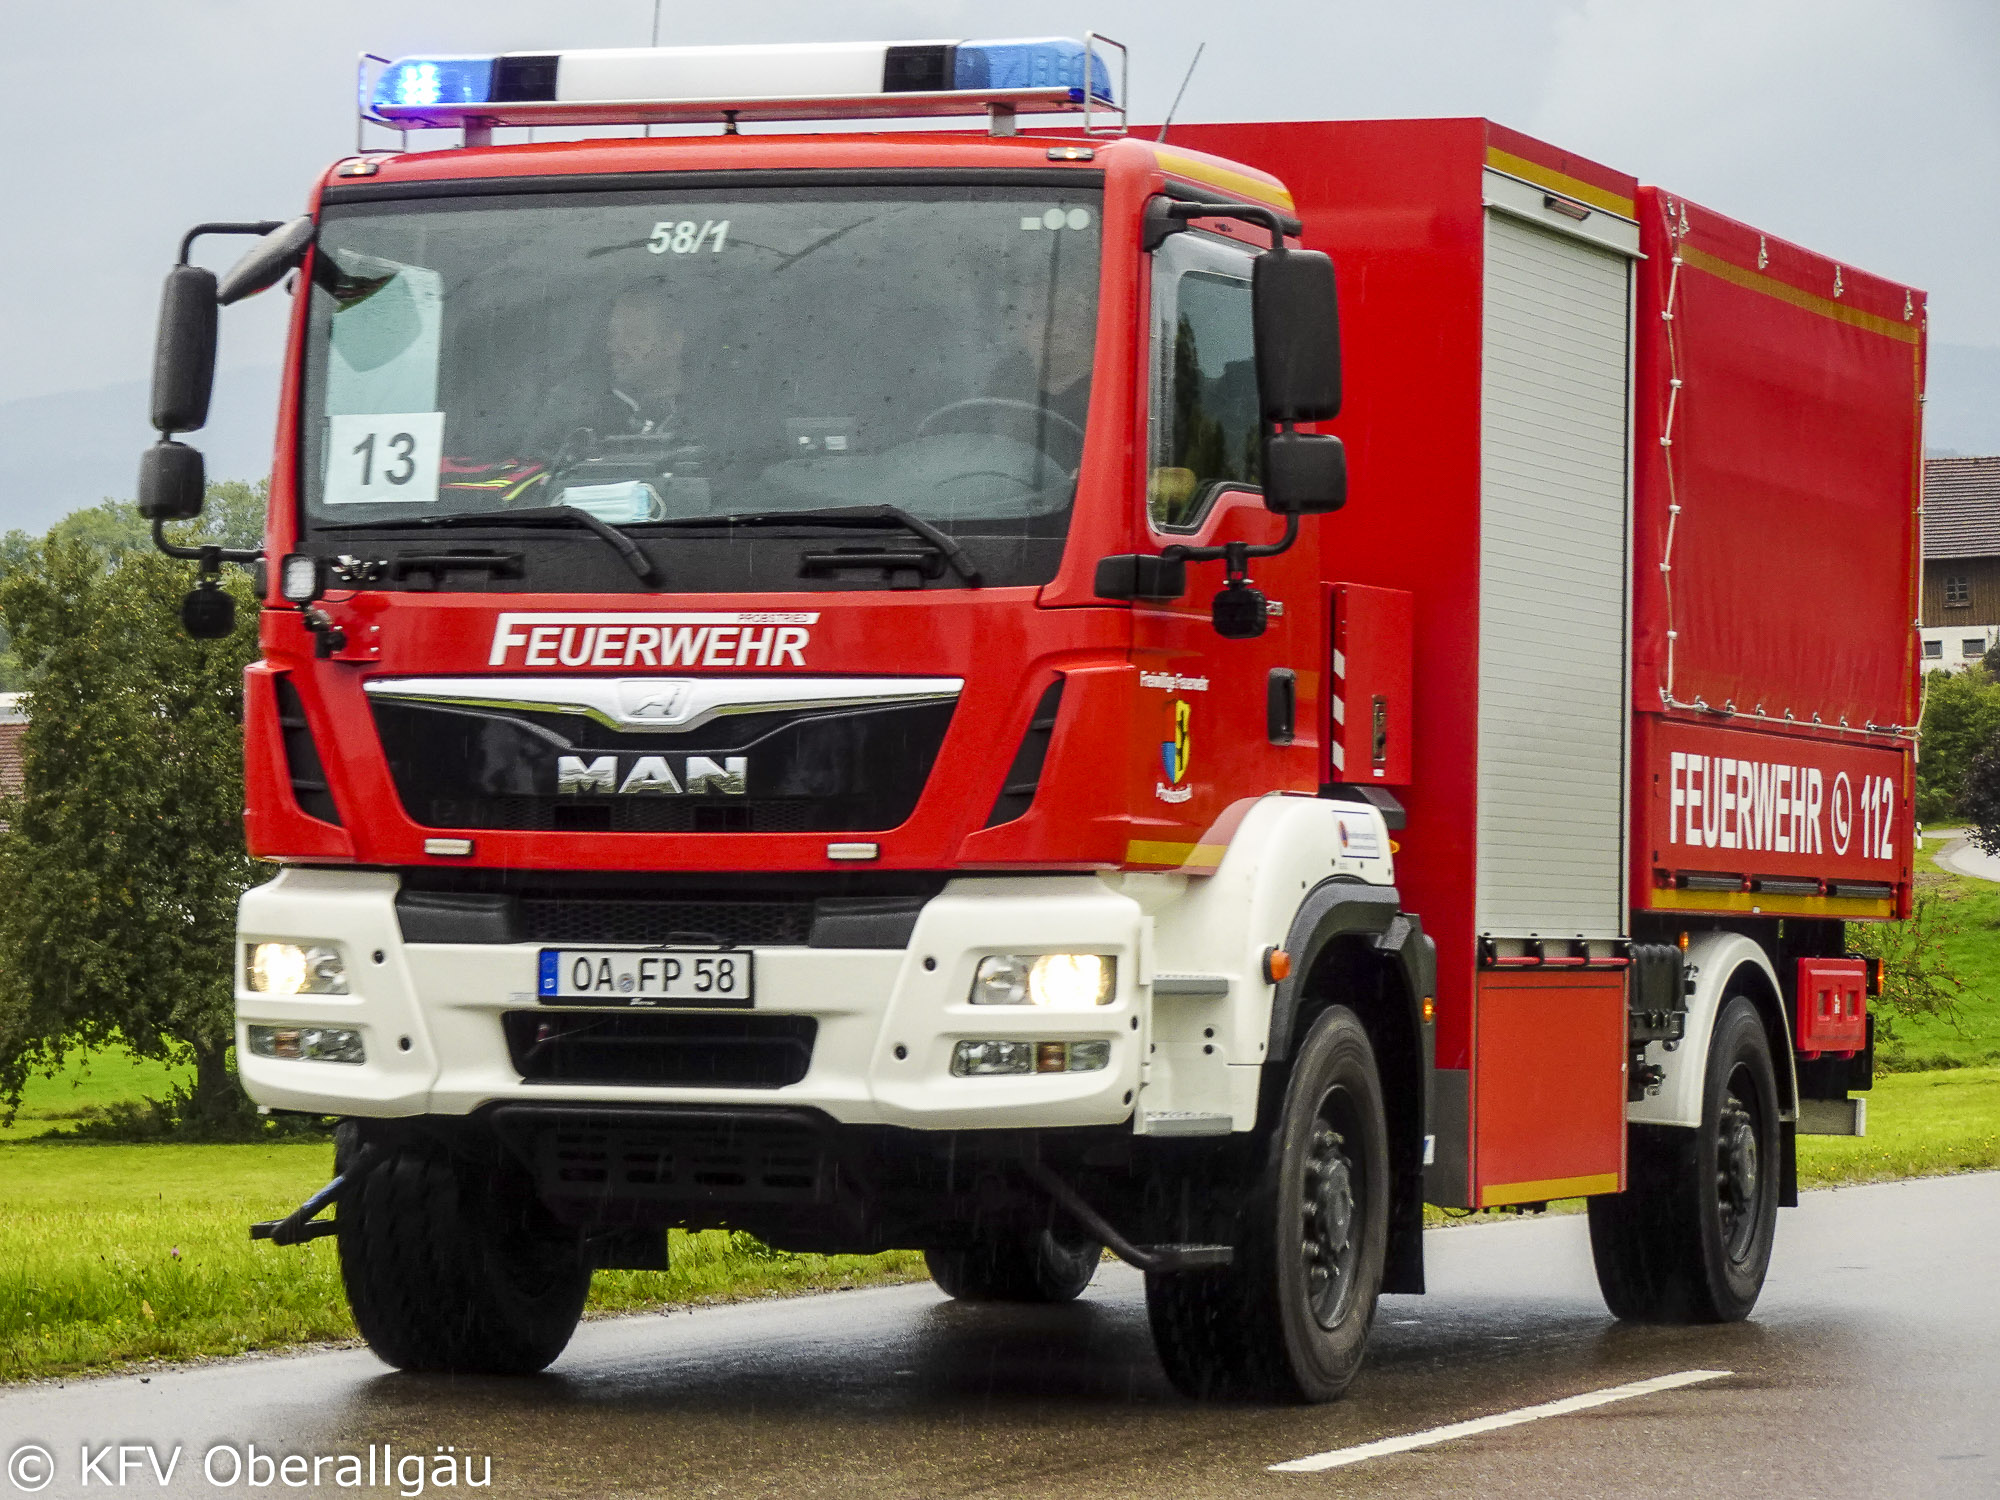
(792, 770)
(680, 1050)
(684, 1159)
(586, 919)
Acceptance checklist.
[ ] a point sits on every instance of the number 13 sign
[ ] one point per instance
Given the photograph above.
(383, 458)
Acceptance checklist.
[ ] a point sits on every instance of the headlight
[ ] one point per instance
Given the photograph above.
(1060, 981)
(290, 969)
(308, 1043)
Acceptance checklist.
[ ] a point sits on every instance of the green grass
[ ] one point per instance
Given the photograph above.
(87, 1085)
(1922, 1042)
(1919, 1125)
(115, 1254)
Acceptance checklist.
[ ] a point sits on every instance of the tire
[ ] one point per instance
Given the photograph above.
(1288, 1318)
(1040, 1265)
(452, 1266)
(1690, 1238)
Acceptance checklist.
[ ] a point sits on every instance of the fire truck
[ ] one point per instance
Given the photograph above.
(818, 680)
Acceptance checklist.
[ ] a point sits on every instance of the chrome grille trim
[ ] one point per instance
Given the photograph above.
(662, 704)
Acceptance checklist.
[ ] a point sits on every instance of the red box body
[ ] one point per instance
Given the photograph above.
(1833, 1006)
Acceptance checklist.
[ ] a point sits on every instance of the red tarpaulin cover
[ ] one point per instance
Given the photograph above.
(1795, 460)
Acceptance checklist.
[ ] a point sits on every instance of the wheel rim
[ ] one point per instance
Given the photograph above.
(1329, 1211)
(1739, 1166)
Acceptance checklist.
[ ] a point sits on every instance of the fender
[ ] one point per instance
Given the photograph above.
(1717, 958)
(1337, 907)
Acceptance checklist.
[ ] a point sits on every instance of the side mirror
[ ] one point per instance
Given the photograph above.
(1296, 311)
(265, 262)
(1305, 473)
(172, 479)
(184, 353)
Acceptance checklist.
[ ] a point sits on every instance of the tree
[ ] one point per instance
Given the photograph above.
(1961, 720)
(1979, 797)
(123, 857)
(1918, 977)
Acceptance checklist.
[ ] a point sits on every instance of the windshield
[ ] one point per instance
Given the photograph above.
(664, 357)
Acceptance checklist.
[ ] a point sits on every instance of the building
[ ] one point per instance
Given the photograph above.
(13, 729)
(1961, 603)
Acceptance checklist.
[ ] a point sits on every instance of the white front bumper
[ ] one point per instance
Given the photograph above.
(430, 1014)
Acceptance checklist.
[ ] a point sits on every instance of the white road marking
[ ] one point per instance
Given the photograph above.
(1339, 1457)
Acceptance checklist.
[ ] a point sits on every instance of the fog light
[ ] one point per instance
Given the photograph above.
(308, 1043)
(1060, 981)
(292, 969)
(978, 1059)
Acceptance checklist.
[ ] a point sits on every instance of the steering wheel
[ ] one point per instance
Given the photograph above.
(1003, 403)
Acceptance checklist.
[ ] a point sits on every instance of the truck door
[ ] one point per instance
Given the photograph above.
(1229, 719)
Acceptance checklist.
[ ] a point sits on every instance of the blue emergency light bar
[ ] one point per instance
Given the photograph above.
(630, 85)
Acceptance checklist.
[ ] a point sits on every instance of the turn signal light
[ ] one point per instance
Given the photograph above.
(1277, 965)
(986, 1059)
(308, 1043)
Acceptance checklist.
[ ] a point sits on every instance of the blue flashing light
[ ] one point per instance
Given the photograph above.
(1041, 63)
(425, 82)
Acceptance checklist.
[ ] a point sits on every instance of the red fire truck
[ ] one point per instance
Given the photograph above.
(820, 684)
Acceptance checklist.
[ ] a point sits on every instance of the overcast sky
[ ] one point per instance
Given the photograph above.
(1867, 129)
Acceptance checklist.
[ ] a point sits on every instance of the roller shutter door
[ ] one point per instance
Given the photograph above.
(1553, 579)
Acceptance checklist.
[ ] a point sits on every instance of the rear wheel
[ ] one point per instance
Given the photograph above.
(1040, 1265)
(1690, 1238)
(453, 1265)
(1288, 1318)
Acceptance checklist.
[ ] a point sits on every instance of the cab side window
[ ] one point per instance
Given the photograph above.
(1206, 427)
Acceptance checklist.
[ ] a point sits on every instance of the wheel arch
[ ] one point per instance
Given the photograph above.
(1353, 945)
(1725, 964)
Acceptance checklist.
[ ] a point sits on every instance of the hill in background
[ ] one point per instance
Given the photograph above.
(74, 448)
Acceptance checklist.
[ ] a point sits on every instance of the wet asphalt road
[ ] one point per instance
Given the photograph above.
(1871, 1368)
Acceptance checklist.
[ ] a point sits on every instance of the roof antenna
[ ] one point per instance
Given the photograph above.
(1199, 49)
(656, 42)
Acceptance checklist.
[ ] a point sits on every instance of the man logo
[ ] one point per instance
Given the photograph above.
(654, 700)
(700, 775)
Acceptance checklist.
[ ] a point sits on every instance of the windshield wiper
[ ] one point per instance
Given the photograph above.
(532, 515)
(858, 517)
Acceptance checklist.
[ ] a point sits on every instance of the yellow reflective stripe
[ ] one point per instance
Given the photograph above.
(1221, 177)
(1758, 281)
(1548, 1191)
(1181, 856)
(1558, 182)
(1772, 904)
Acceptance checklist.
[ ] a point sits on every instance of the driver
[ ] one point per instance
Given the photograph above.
(1045, 362)
(647, 346)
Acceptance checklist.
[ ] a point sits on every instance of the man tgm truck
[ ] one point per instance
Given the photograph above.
(822, 683)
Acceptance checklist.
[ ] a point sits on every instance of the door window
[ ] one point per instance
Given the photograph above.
(1207, 433)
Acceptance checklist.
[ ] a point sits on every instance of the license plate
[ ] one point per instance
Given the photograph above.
(645, 976)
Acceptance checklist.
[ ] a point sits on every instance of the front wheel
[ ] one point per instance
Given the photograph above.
(452, 1265)
(1288, 1318)
(1690, 1238)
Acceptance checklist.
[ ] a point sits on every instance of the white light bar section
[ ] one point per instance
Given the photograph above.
(712, 75)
